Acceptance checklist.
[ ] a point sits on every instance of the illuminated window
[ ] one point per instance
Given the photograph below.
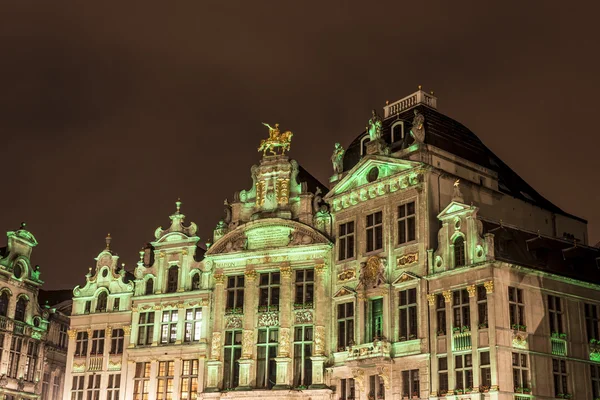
(31, 361)
(93, 389)
(520, 371)
(81, 344)
(595, 375)
(440, 306)
(459, 252)
(408, 314)
(347, 389)
(168, 327)
(166, 372)
(482, 311)
(374, 231)
(375, 313)
(559, 372)
(303, 344)
(189, 380)
(233, 352)
(591, 321)
(461, 309)
(305, 286)
(269, 291)
(266, 367)
(150, 286)
(196, 282)
(146, 328)
(114, 386)
(21, 309)
(116, 341)
(77, 387)
(406, 223)
(410, 384)
(443, 375)
(516, 307)
(172, 279)
(193, 324)
(486, 374)
(14, 355)
(345, 323)
(4, 299)
(141, 381)
(376, 387)
(235, 293)
(346, 240)
(555, 314)
(98, 342)
(463, 365)
(101, 302)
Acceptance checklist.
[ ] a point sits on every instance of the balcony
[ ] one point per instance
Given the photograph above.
(559, 346)
(461, 339)
(377, 349)
(95, 363)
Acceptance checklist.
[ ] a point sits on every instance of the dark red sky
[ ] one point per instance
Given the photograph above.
(109, 114)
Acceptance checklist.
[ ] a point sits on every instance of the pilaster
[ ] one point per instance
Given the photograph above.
(491, 305)
(282, 379)
(318, 366)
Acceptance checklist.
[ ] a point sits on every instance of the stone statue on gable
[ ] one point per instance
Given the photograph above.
(418, 128)
(337, 159)
(374, 126)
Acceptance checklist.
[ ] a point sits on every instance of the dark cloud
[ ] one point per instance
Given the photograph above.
(110, 112)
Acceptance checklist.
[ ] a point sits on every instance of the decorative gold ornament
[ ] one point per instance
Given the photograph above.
(283, 191)
(346, 275)
(320, 268)
(215, 346)
(72, 333)
(261, 192)
(219, 279)
(447, 296)
(471, 290)
(127, 330)
(431, 299)
(319, 349)
(489, 287)
(407, 259)
(284, 342)
(285, 270)
(276, 139)
(250, 275)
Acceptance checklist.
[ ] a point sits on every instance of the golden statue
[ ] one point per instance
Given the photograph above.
(276, 139)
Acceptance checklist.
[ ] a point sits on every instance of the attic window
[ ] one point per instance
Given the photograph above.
(18, 271)
(373, 174)
(459, 252)
(363, 144)
(397, 131)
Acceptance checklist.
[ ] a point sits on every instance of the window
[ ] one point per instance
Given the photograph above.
(166, 371)
(461, 310)
(269, 291)
(101, 302)
(408, 314)
(555, 314)
(459, 252)
(233, 352)
(397, 131)
(55, 388)
(516, 307)
(267, 351)
(406, 223)
(88, 307)
(486, 374)
(1, 345)
(4, 299)
(376, 387)
(141, 381)
(374, 231)
(116, 304)
(235, 293)
(21, 309)
(443, 375)
(305, 286)
(375, 312)
(31, 361)
(81, 344)
(93, 389)
(482, 311)
(172, 279)
(189, 380)
(410, 383)
(193, 324)
(559, 371)
(114, 386)
(150, 286)
(116, 341)
(591, 321)
(463, 365)
(77, 388)
(196, 281)
(595, 375)
(45, 385)
(14, 355)
(520, 371)
(346, 240)
(146, 328)
(168, 327)
(62, 336)
(440, 306)
(303, 343)
(345, 324)
(347, 389)
(98, 342)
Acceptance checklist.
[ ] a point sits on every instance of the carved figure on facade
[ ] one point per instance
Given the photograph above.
(359, 378)
(268, 319)
(215, 346)
(247, 343)
(384, 374)
(303, 317)
(276, 139)
(337, 159)
(284, 342)
(374, 126)
(319, 340)
(457, 194)
(237, 244)
(372, 272)
(233, 322)
(418, 127)
(299, 238)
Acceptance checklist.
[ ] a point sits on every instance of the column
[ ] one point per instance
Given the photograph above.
(127, 381)
(320, 339)
(153, 386)
(180, 322)
(491, 305)
(135, 320)
(246, 361)
(283, 360)
(472, 290)
(361, 319)
(156, 328)
(433, 328)
(213, 378)
(177, 377)
(449, 338)
(69, 367)
(248, 341)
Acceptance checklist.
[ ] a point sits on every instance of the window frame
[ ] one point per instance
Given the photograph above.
(516, 307)
(464, 371)
(141, 381)
(520, 370)
(172, 281)
(146, 328)
(409, 382)
(304, 292)
(189, 378)
(555, 314)
(404, 220)
(344, 337)
(409, 323)
(269, 366)
(271, 287)
(165, 378)
(372, 229)
(344, 240)
(193, 325)
(168, 326)
(234, 300)
(303, 345)
(117, 340)
(232, 352)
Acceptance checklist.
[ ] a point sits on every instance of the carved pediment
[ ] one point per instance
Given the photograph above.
(344, 291)
(406, 277)
(454, 209)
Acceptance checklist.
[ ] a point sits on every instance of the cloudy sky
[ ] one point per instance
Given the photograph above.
(110, 112)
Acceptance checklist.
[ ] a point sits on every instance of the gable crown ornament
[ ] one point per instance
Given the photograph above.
(277, 139)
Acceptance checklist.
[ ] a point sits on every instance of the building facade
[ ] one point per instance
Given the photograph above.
(426, 268)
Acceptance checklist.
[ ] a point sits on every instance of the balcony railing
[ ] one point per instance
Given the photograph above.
(379, 348)
(461, 341)
(559, 346)
(95, 364)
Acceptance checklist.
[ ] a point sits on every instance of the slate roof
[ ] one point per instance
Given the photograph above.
(447, 134)
(543, 253)
(54, 297)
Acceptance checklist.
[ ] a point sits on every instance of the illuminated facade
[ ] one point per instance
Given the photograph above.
(426, 269)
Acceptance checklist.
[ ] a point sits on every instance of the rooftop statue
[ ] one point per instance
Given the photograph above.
(276, 139)
(374, 126)
(337, 159)
(418, 129)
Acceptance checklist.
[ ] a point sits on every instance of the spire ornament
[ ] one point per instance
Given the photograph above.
(108, 240)
(276, 139)
(457, 194)
(374, 126)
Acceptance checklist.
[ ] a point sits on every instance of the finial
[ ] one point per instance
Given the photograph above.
(387, 102)
(431, 93)
(178, 204)
(23, 225)
(539, 233)
(500, 221)
(419, 87)
(90, 270)
(142, 253)
(123, 265)
(108, 240)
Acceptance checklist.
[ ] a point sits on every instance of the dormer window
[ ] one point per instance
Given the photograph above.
(459, 252)
(196, 282)
(172, 279)
(397, 131)
(101, 302)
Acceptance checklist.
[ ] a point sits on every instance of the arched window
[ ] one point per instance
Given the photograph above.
(4, 299)
(150, 286)
(172, 279)
(397, 131)
(21, 309)
(101, 303)
(459, 252)
(196, 282)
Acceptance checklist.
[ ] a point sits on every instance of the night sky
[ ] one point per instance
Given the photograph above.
(110, 112)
